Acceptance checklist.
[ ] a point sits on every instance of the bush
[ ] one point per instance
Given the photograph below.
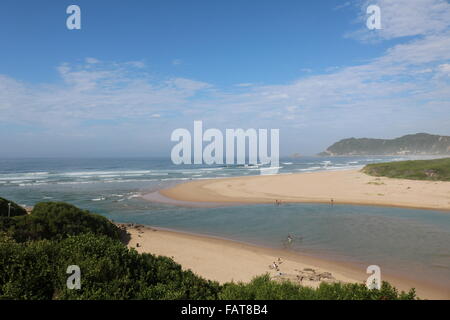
(16, 210)
(434, 170)
(109, 270)
(262, 288)
(57, 220)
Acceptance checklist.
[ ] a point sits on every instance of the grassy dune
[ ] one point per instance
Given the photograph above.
(434, 170)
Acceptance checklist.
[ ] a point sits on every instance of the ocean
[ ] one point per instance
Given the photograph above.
(401, 241)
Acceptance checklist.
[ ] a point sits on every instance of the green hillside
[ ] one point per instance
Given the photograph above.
(435, 170)
(414, 144)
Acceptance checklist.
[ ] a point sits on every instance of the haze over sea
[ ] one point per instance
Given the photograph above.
(401, 241)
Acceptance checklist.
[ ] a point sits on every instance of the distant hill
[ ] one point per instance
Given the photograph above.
(413, 144)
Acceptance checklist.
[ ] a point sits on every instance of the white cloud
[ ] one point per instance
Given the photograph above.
(420, 51)
(137, 64)
(445, 68)
(380, 89)
(188, 84)
(92, 60)
(244, 84)
(403, 18)
(344, 5)
(177, 62)
(106, 92)
(291, 108)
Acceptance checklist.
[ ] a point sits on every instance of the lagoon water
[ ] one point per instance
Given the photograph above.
(410, 242)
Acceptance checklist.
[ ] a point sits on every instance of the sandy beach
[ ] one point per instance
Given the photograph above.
(225, 260)
(339, 187)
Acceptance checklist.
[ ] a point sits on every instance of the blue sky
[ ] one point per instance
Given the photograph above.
(139, 69)
(217, 41)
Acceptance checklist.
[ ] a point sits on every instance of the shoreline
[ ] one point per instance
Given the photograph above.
(338, 187)
(225, 260)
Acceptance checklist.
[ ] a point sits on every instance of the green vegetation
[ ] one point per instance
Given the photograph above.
(109, 270)
(56, 220)
(15, 209)
(35, 251)
(263, 288)
(420, 143)
(434, 170)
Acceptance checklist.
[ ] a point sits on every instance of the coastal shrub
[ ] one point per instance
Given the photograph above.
(27, 271)
(109, 270)
(15, 209)
(57, 220)
(434, 170)
(263, 288)
(112, 271)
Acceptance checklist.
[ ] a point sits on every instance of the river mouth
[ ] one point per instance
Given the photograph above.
(404, 242)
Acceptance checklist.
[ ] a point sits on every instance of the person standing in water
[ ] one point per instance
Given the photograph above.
(289, 238)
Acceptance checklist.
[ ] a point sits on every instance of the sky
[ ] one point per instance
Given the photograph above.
(137, 70)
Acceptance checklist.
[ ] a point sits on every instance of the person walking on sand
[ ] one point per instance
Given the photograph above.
(275, 266)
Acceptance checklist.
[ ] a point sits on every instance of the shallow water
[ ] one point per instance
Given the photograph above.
(409, 242)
